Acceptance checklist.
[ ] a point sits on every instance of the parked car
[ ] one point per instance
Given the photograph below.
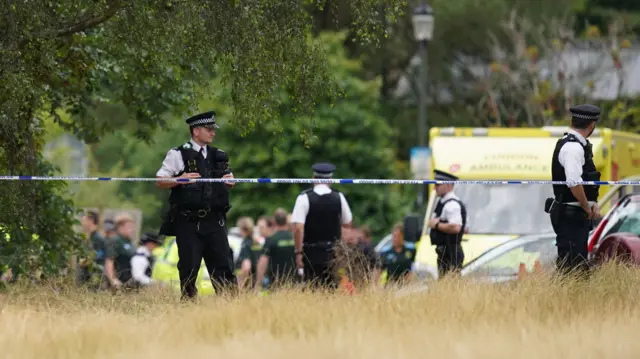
(618, 233)
(165, 268)
(503, 263)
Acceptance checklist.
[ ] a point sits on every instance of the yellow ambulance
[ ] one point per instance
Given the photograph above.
(501, 212)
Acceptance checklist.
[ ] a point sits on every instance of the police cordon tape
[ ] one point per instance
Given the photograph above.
(310, 180)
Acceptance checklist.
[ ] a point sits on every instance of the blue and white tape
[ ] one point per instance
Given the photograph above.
(310, 180)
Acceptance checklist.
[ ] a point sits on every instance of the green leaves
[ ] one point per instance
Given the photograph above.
(351, 134)
(102, 66)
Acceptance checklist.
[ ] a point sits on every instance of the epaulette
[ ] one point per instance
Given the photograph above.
(572, 138)
(185, 146)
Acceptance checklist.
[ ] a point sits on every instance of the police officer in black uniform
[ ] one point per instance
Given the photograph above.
(197, 214)
(574, 206)
(447, 226)
(142, 262)
(318, 216)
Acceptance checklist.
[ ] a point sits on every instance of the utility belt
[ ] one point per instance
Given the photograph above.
(556, 208)
(199, 214)
(323, 245)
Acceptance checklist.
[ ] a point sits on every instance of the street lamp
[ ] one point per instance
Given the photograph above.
(423, 20)
(423, 23)
(423, 16)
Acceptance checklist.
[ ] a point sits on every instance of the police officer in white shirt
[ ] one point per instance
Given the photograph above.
(447, 226)
(318, 216)
(197, 214)
(142, 262)
(574, 206)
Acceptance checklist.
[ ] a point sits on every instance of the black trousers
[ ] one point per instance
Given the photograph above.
(450, 258)
(318, 267)
(572, 227)
(205, 239)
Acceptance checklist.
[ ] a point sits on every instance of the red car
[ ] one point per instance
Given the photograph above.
(618, 233)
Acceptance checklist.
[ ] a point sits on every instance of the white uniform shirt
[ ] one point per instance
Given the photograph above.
(452, 212)
(301, 208)
(139, 264)
(173, 164)
(571, 157)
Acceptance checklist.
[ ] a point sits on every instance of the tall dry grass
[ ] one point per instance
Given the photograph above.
(534, 318)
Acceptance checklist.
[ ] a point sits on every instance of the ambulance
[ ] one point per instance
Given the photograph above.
(501, 212)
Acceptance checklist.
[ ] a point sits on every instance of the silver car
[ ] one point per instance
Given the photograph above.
(502, 263)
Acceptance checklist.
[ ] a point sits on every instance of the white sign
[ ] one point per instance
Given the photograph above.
(421, 163)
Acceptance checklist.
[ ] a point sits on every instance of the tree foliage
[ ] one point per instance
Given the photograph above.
(546, 68)
(349, 132)
(122, 65)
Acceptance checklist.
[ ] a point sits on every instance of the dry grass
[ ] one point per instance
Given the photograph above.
(534, 318)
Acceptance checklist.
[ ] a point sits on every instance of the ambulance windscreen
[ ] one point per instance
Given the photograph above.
(516, 209)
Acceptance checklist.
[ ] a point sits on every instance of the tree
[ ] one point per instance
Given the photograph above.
(350, 133)
(602, 12)
(100, 59)
(462, 30)
(545, 69)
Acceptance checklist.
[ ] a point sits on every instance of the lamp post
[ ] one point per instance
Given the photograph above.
(423, 23)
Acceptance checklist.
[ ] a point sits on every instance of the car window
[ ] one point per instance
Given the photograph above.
(626, 218)
(508, 263)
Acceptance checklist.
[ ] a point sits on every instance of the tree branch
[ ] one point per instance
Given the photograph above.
(91, 21)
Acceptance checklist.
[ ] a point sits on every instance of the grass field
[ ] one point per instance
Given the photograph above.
(534, 318)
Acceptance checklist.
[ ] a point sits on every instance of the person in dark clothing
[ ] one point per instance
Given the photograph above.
(247, 258)
(398, 260)
(278, 255)
(574, 206)
(366, 246)
(90, 269)
(448, 226)
(318, 216)
(120, 250)
(198, 210)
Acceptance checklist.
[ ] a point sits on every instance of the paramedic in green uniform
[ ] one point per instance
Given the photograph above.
(120, 250)
(90, 269)
(247, 258)
(397, 260)
(278, 255)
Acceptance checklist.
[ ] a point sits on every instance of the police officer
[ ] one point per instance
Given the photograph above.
(317, 217)
(197, 214)
(574, 205)
(447, 226)
(142, 262)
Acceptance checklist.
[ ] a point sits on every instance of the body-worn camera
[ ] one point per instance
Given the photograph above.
(220, 165)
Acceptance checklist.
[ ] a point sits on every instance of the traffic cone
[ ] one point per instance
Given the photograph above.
(347, 286)
(522, 272)
(537, 266)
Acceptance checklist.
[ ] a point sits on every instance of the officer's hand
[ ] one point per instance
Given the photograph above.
(230, 184)
(299, 262)
(433, 222)
(595, 212)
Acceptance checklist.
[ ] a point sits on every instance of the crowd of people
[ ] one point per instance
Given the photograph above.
(266, 260)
